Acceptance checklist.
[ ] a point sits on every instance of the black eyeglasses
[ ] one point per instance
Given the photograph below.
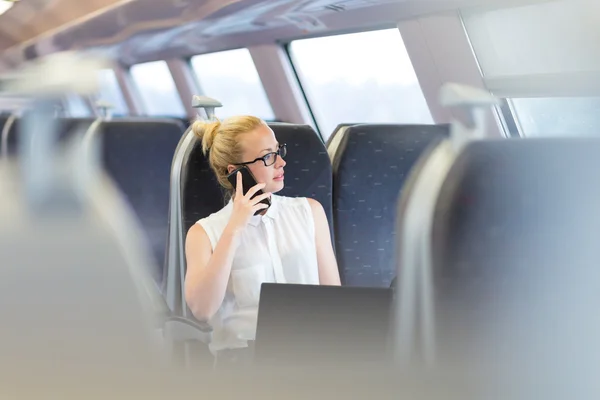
(269, 158)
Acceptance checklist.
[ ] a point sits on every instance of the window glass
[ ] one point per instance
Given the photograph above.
(157, 89)
(231, 78)
(360, 77)
(77, 107)
(558, 116)
(110, 91)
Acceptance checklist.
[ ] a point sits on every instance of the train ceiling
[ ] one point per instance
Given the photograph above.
(142, 30)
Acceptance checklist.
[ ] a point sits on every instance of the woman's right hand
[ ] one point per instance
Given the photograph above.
(244, 206)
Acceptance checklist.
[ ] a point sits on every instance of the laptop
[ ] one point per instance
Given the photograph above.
(313, 325)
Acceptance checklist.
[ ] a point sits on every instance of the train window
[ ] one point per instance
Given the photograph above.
(157, 89)
(359, 77)
(231, 77)
(77, 107)
(565, 116)
(110, 91)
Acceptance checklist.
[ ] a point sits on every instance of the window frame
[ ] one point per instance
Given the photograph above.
(294, 68)
(509, 120)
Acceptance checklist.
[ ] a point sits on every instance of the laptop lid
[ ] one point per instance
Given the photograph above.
(316, 325)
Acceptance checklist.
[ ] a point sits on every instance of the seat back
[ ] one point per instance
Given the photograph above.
(369, 169)
(195, 194)
(90, 301)
(138, 155)
(308, 168)
(201, 193)
(515, 258)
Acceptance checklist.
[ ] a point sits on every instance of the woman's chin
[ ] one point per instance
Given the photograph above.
(276, 187)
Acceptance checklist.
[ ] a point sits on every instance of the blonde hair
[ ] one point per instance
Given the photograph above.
(221, 142)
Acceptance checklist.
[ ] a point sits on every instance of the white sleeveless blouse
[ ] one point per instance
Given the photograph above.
(276, 247)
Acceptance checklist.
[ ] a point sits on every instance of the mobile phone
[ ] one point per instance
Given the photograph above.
(248, 181)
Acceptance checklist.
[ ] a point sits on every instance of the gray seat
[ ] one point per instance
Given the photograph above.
(513, 277)
(74, 250)
(196, 194)
(370, 168)
(138, 155)
(515, 252)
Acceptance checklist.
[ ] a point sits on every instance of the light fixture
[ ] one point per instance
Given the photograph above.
(6, 5)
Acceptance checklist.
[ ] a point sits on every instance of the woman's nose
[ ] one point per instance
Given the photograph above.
(280, 162)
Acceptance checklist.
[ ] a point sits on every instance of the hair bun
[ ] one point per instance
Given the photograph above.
(206, 131)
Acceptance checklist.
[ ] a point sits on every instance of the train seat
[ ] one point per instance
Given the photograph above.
(510, 277)
(138, 155)
(515, 253)
(370, 168)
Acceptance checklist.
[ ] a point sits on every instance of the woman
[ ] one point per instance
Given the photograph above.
(232, 252)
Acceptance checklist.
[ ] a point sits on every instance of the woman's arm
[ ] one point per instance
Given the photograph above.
(328, 269)
(207, 271)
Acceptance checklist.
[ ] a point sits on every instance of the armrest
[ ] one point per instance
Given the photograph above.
(201, 326)
(182, 329)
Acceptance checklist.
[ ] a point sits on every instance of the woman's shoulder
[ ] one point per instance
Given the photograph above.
(291, 202)
(305, 203)
(296, 200)
(216, 217)
(210, 226)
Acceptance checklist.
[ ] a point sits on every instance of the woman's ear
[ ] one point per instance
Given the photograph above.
(230, 168)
